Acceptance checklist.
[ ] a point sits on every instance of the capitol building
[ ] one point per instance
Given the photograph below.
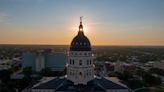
(80, 75)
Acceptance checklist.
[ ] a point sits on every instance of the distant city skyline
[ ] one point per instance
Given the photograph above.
(106, 22)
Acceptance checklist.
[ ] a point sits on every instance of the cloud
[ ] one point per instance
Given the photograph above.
(3, 17)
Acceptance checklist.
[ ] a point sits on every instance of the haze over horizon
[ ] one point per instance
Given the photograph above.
(106, 22)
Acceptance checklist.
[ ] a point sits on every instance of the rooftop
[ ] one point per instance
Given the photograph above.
(62, 84)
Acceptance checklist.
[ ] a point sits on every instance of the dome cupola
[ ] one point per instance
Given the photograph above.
(80, 42)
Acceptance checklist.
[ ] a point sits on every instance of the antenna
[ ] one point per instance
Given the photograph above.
(81, 18)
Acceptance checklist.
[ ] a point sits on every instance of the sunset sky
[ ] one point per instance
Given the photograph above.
(106, 22)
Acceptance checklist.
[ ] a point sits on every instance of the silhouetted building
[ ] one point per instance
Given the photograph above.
(80, 72)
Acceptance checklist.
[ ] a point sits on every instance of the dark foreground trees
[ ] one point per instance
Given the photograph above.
(5, 83)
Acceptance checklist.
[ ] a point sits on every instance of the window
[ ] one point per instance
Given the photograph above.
(80, 62)
(90, 73)
(70, 61)
(80, 74)
(73, 62)
(72, 72)
(90, 62)
(87, 62)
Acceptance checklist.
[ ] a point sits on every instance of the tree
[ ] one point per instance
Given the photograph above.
(5, 75)
(46, 72)
(133, 84)
(125, 75)
(151, 80)
(140, 72)
(157, 71)
(6, 85)
(27, 71)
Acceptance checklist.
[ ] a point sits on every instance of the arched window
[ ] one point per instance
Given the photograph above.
(80, 62)
(73, 62)
(80, 74)
(70, 61)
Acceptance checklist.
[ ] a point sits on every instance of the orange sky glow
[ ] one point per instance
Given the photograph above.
(54, 22)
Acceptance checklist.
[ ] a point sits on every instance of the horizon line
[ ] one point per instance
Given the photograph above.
(68, 45)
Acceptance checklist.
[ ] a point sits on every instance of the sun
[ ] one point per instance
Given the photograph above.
(80, 27)
(85, 29)
(76, 29)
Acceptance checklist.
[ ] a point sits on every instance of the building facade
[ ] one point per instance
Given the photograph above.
(80, 72)
(28, 60)
(55, 61)
(80, 67)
